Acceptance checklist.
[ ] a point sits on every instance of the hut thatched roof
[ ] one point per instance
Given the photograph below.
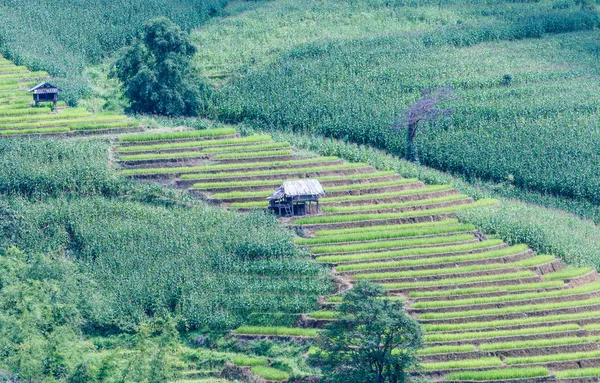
(298, 188)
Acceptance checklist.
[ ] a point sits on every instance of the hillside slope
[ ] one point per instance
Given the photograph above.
(490, 311)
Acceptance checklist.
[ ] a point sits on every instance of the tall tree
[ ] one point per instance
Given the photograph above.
(424, 109)
(156, 72)
(373, 341)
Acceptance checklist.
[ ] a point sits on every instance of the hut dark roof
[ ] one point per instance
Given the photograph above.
(45, 88)
(298, 188)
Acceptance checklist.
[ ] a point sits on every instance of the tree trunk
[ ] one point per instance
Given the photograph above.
(411, 149)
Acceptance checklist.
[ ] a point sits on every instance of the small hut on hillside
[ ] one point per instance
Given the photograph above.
(45, 92)
(296, 198)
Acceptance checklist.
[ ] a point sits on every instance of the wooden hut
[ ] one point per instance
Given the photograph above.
(296, 198)
(45, 92)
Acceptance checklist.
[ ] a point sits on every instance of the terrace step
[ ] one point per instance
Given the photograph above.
(156, 142)
(192, 148)
(448, 265)
(514, 281)
(398, 199)
(375, 222)
(383, 250)
(310, 246)
(464, 201)
(517, 338)
(254, 159)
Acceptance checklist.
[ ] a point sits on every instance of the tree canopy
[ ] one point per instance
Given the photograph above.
(373, 340)
(156, 72)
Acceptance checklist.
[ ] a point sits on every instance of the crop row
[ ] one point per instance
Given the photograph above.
(402, 253)
(440, 327)
(177, 135)
(65, 121)
(381, 245)
(378, 228)
(488, 289)
(374, 216)
(447, 337)
(457, 281)
(586, 288)
(226, 167)
(194, 144)
(534, 261)
(346, 209)
(373, 235)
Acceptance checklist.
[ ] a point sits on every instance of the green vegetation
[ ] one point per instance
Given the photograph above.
(464, 363)
(77, 39)
(188, 134)
(374, 340)
(270, 373)
(500, 374)
(567, 273)
(499, 333)
(552, 357)
(266, 153)
(446, 349)
(225, 167)
(535, 343)
(580, 372)
(377, 245)
(367, 217)
(511, 322)
(194, 144)
(156, 72)
(512, 309)
(457, 281)
(454, 271)
(272, 145)
(161, 156)
(589, 287)
(250, 361)
(278, 331)
(479, 290)
(380, 228)
(401, 253)
(344, 209)
(375, 235)
(324, 314)
(429, 189)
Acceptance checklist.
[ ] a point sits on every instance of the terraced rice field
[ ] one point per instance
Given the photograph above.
(18, 115)
(490, 311)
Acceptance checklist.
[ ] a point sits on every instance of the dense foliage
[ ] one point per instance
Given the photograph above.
(521, 104)
(373, 340)
(63, 38)
(101, 256)
(156, 72)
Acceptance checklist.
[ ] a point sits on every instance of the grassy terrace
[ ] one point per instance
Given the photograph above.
(345, 209)
(587, 288)
(227, 167)
(499, 333)
(195, 144)
(489, 289)
(381, 245)
(378, 228)
(458, 281)
(188, 134)
(500, 374)
(428, 272)
(401, 253)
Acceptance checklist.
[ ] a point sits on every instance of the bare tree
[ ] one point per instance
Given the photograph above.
(424, 109)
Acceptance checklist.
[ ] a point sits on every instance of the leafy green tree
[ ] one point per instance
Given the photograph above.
(156, 72)
(374, 340)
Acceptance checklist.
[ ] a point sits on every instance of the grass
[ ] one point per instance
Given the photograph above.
(271, 172)
(435, 260)
(369, 217)
(194, 144)
(442, 271)
(499, 374)
(65, 121)
(262, 146)
(270, 373)
(188, 134)
(553, 357)
(480, 290)
(590, 287)
(499, 333)
(428, 189)
(380, 228)
(446, 349)
(369, 236)
(464, 363)
(27, 111)
(267, 153)
(567, 273)
(536, 343)
(457, 281)
(391, 244)
(160, 156)
(510, 322)
(578, 373)
(282, 331)
(405, 252)
(324, 314)
(250, 361)
(225, 167)
(345, 209)
(511, 309)
(114, 125)
(34, 131)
